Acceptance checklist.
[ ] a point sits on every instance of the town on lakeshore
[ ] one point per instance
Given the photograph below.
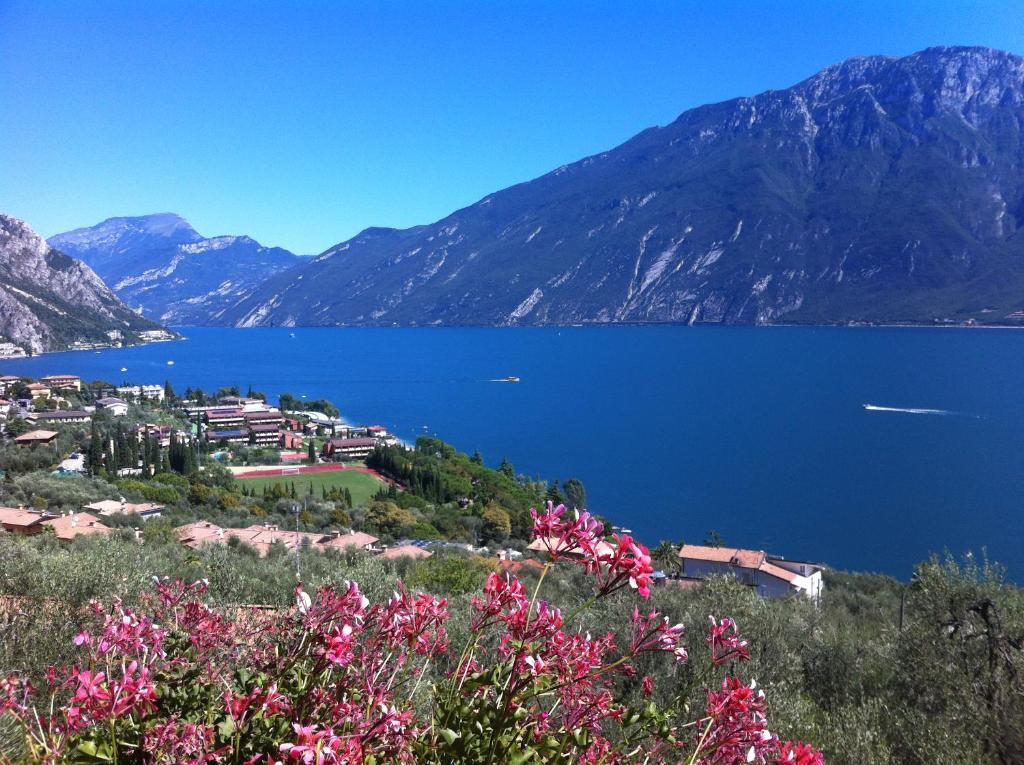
(147, 441)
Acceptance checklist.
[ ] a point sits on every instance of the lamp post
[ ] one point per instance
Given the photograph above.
(298, 544)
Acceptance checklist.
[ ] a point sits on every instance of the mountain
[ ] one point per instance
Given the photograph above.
(172, 273)
(881, 189)
(48, 301)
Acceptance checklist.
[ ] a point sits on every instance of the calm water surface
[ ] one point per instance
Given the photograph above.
(759, 433)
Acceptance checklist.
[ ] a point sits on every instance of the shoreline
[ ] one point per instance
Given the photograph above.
(585, 325)
(26, 357)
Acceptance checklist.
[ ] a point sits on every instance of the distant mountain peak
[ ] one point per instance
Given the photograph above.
(161, 224)
(161, 264)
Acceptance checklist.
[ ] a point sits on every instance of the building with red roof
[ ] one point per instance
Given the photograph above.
(18, 520)
(771, 576)
(67, 527)
(406, 551)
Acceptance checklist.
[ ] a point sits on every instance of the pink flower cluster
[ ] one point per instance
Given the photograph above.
(340, 680)
(579, 538)
(726, 643)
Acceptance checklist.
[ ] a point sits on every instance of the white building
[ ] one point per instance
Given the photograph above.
(115, 406)
(139, 392)
(771, 576)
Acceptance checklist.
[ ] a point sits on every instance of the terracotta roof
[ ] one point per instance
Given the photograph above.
(779, 573)
(355, 539)
(76, 524)
(36, 435)
(406, 551)
(111, 506)
(731, 555)
(539, 545)
(198, 532)
(756, 560)
(515, 566)
(16, 516)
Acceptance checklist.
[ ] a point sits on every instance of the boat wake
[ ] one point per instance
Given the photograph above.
(901, 410)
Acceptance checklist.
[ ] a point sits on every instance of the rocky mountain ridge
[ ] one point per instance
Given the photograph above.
(881, 189)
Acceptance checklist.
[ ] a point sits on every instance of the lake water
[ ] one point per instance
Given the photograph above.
(759, 433)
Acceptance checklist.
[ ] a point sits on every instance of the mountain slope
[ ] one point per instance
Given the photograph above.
(880, 189)
(49, 300)
(161, 264)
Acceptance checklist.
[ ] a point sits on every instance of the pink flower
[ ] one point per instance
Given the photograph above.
(417, 622)
(799, 754)
(501, 595)
(576, 535)
(738, 729)
(647, 685)
(653, 633)
(726, 644)
(624, 562)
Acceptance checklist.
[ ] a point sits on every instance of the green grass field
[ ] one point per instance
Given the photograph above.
(362, 486)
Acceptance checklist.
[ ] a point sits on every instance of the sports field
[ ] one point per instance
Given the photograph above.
(362, 485)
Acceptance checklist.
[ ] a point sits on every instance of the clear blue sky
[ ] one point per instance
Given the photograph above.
(302, 123)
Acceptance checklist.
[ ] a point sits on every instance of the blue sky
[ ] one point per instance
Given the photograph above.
(303, 123)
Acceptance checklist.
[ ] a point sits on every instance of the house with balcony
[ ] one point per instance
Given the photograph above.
(771, 576)
(36, 438)
(348, 448)
(224, 418)
(230, 436)
(142, 392)
(116, 407)
(265, 417)
(264, 435)
(61, 416)
(63, 382)
(38, 390)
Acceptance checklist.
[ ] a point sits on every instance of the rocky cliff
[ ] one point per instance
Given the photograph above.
(49, 301)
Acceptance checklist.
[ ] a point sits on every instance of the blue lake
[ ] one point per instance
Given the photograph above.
(759, 433)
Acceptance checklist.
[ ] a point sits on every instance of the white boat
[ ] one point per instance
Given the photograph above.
(124, 369)
(170, 363)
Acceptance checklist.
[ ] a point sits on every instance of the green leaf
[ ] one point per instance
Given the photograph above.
(226, 728)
